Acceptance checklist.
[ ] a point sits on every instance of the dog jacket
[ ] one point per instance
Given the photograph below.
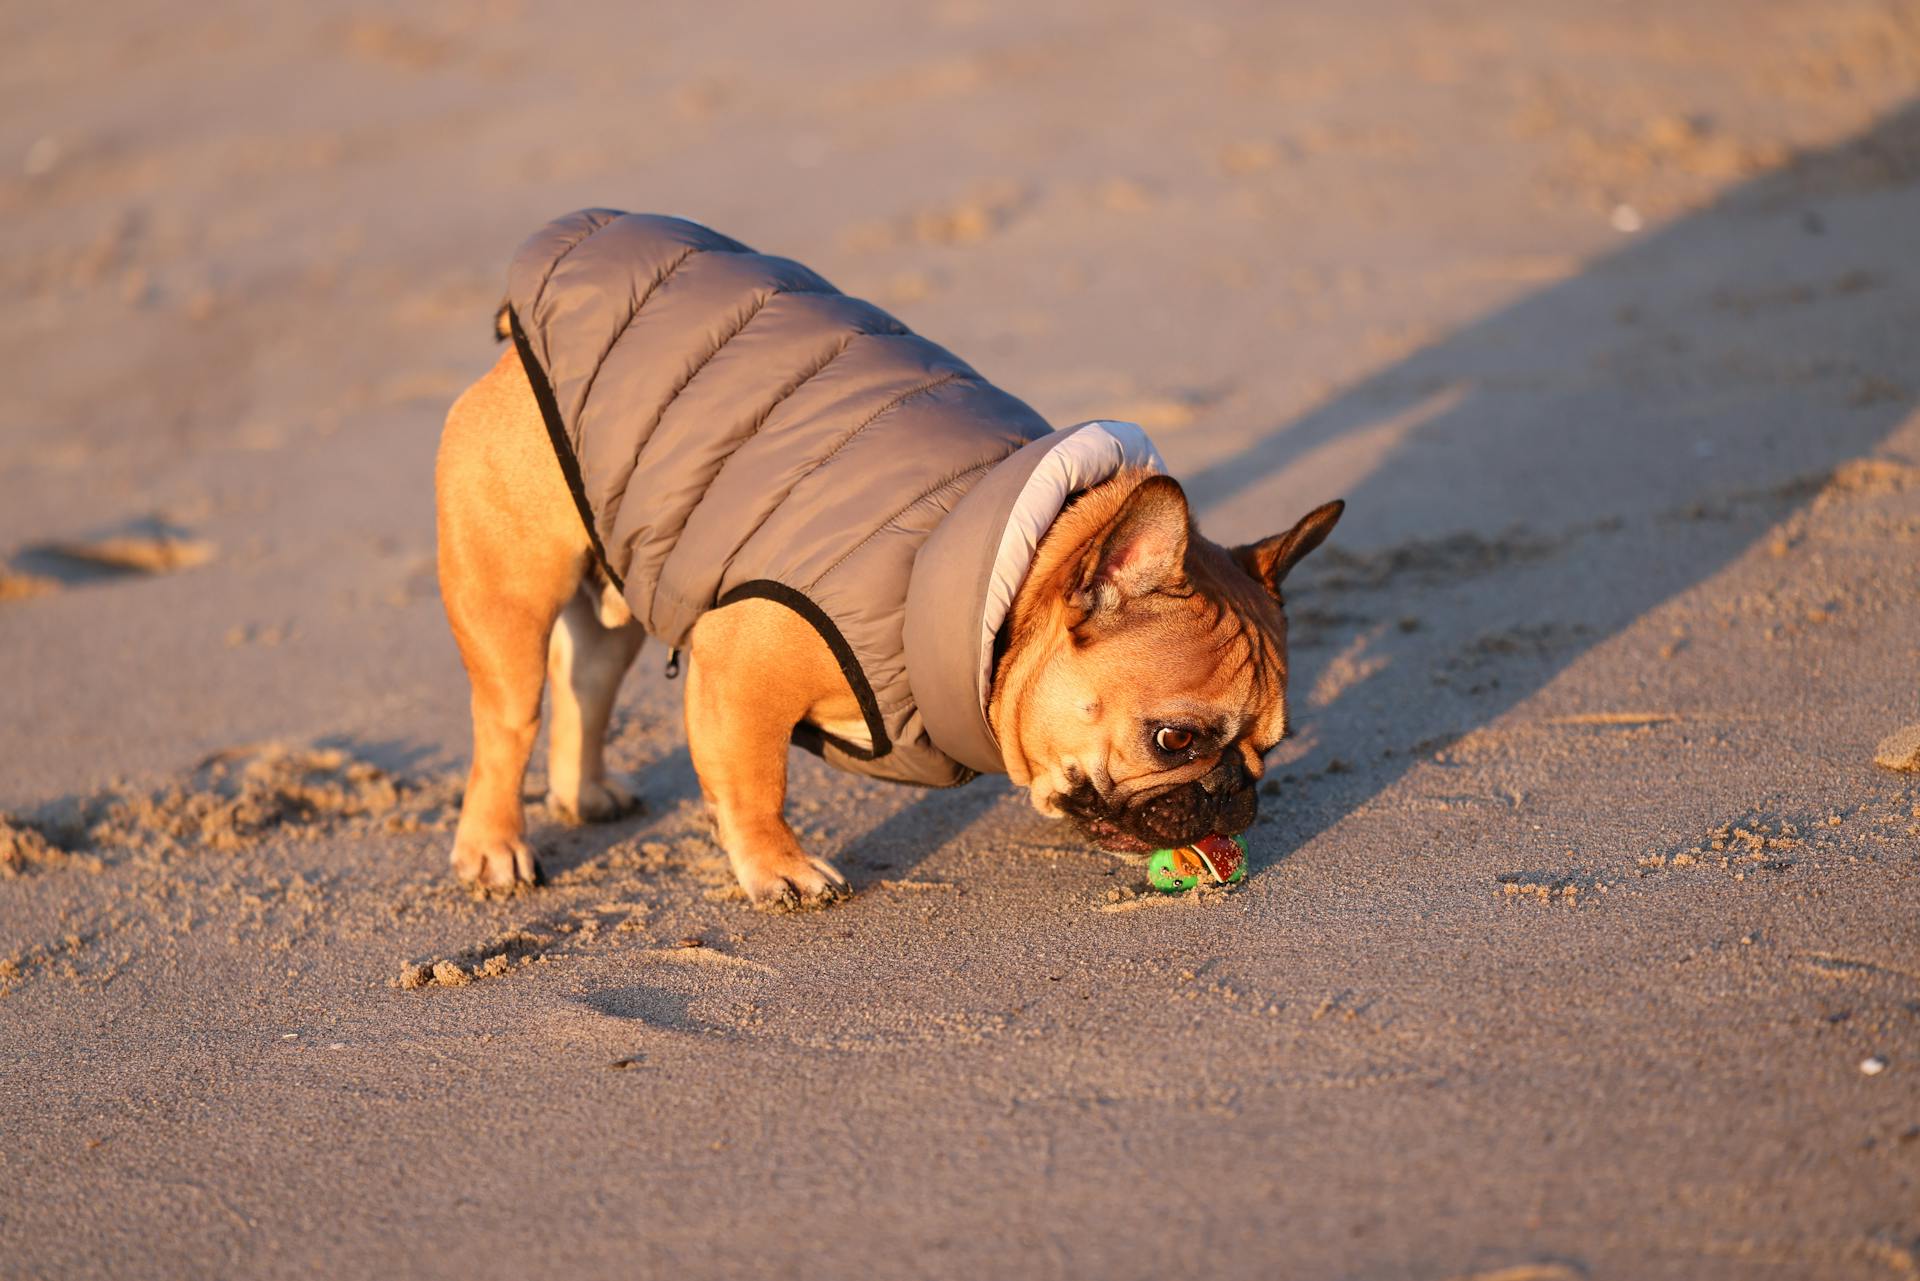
(732, 426)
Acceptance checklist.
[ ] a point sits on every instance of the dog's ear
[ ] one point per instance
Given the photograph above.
(1142, 550)
(1269, 559)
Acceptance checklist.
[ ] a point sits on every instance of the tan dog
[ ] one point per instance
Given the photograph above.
(864, 546)
(1144, 674)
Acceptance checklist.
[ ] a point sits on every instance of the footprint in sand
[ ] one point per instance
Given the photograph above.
(145, 548)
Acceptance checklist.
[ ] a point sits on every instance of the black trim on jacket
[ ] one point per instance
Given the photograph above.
(562, 447)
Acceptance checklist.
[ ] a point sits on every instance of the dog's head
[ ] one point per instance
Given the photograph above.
(1146, 671)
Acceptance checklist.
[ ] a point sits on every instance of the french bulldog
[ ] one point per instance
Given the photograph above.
(1135, 686)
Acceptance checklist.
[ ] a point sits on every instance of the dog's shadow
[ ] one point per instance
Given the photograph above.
(1564, 466)
(1631, 440)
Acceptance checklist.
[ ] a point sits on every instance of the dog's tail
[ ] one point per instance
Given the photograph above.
(503, 321)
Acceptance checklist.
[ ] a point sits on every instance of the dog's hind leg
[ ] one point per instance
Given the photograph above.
(586, 659)
(512, 552)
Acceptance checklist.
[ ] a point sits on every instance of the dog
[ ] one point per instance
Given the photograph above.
(862, 547)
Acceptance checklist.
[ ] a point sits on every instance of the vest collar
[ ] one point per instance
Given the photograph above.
(971, 568)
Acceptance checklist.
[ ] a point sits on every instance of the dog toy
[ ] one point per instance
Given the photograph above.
(1222, 859)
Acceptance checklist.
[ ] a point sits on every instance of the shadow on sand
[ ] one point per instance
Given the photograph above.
(1560, 468)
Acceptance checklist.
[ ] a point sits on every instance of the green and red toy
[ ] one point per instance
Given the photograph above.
(1220, 860)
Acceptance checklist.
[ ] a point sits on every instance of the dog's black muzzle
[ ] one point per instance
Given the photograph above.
(1223, 800)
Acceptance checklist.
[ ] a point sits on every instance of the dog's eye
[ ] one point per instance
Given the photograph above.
(1171, 740)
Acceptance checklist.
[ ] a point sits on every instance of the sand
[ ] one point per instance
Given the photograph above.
(1899, 750)
(1577, 902)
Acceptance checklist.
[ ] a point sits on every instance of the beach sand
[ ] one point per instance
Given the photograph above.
(1579, 914)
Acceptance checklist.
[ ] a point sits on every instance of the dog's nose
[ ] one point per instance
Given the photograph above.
(1237, 812)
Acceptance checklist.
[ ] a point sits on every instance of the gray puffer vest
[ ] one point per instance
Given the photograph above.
(732, 426)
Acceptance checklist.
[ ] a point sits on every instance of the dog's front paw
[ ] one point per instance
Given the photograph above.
(495, 864)
(596, 801)
(789, 880)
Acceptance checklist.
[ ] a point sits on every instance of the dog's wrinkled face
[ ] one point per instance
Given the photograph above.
(1140, 700)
